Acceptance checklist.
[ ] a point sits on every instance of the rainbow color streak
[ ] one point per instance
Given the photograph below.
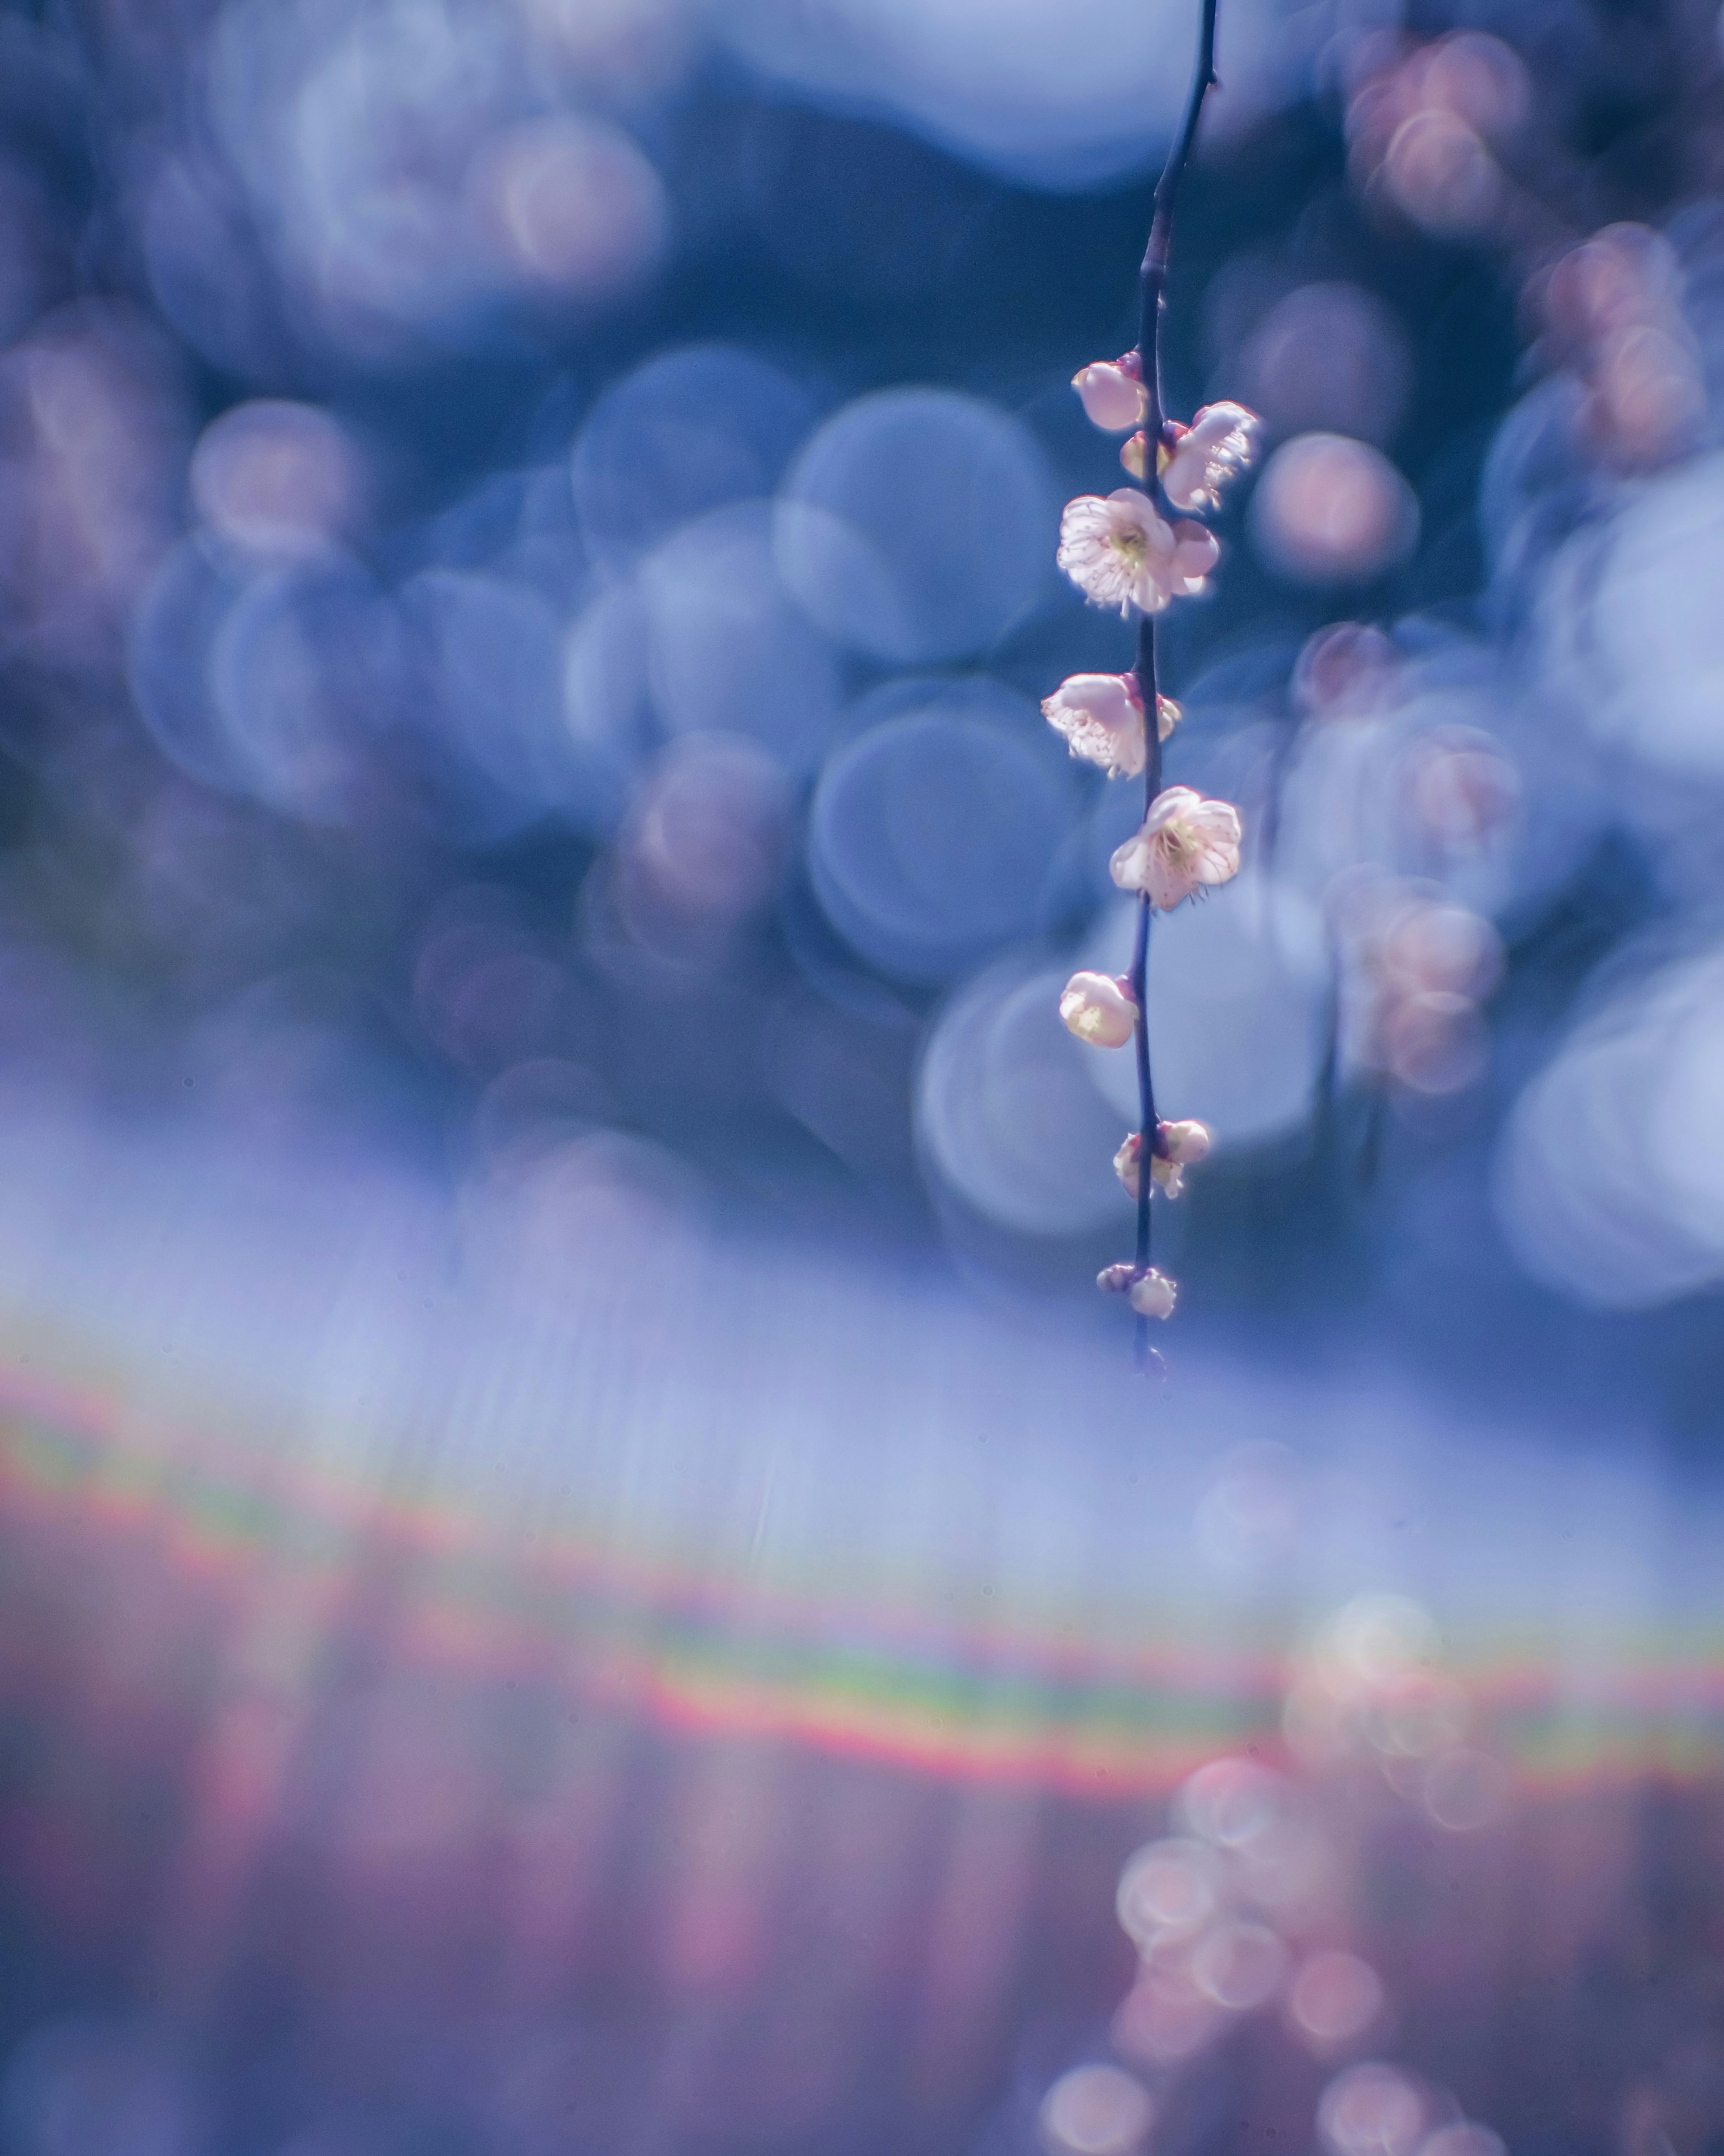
(976, 1695)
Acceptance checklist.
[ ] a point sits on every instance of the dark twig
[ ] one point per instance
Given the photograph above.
(1154, 280)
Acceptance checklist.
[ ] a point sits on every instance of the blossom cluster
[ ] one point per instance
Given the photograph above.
(1121, 551)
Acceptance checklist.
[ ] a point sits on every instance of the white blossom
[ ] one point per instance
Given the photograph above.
(1185, 1144)
(1098, 1009)
(1184, 841)
(1120, 552)
(1112, 392)
(1101, 718)
(1218, 443)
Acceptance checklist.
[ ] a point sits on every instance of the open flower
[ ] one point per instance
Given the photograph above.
(1112, 391)
(1102, 717)
(1202, 457)
(1185, 841)
(1100, 1008)
(1182, 1145)
(1119, 552)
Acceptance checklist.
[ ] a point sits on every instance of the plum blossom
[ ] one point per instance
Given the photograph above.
(1219, 443)
(1150, 1294)
(1101, 718)
(1100, 1008)
(1181, 1146)
(1184, 841)
(1112, 392)
(1119, 552)
(1153, 1295)
(1195, 462)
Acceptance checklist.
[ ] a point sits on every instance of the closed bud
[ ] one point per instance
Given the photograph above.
(1100, 1008)
(1112, 393)
(1153, 1295)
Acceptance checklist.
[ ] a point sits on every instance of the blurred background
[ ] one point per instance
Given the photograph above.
(581, 1567)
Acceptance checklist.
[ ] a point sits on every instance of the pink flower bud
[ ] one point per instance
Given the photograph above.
(1113, 395)
(1154, 1295)
(1187, 1142)
(1134, 453)
(1100, 1008)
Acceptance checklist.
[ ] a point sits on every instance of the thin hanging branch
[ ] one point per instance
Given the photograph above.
(1152, 286)
(1141, 548)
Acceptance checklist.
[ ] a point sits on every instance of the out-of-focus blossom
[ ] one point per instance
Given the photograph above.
(1370, 2110)
(1332, 511)
(1184, 841)
(279, 481)
(1441, 946)
(1420, 125)
(1347, 670)
(1169, 1890)
(575, 208)
(1433, 1042)
(1112, 391)
(1101, 718)
(1219, 443)
(1329, 356)
(1418, 966)
(1100, 1008)
(1095, 2111)
(1335, 1999)
(1119, 552)
(1181, 1146)
(91, 422)
(1440, 173)
(1613, 314)
(701, 849)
